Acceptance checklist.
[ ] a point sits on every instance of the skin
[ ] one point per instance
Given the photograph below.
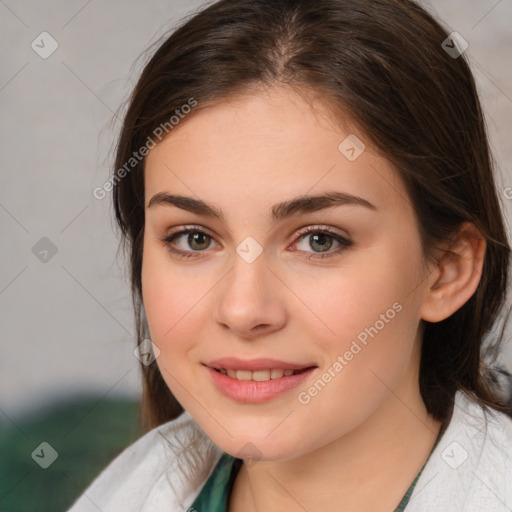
(363, 438)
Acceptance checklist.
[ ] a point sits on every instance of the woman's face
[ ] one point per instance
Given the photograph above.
(251, 286)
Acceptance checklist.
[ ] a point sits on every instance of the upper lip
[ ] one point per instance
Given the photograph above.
(262, 363)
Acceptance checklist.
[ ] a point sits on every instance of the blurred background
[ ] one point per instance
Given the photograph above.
(68, 373)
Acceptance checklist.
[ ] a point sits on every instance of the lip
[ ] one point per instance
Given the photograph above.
(254, 392)
(261, 363)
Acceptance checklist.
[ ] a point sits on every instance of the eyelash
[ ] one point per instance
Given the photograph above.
(310, 230)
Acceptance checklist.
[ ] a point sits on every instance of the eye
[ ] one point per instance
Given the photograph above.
(321, 241)
(189, 242)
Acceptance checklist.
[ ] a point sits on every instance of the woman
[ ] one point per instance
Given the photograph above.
(316, 251)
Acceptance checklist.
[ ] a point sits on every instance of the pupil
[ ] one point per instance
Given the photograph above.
(321, 239)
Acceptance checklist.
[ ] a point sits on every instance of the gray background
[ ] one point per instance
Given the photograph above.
(66, 323)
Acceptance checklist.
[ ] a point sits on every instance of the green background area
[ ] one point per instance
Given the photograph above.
(87, 434)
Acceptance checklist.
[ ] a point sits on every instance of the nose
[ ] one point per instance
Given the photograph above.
(251, 300)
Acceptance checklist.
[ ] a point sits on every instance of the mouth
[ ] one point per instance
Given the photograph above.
(257, 380)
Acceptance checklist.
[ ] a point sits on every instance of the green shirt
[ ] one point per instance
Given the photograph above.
(214, 495)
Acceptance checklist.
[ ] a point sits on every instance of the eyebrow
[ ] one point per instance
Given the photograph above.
(280, 211)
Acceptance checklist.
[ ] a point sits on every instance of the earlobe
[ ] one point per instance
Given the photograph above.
(457, 274)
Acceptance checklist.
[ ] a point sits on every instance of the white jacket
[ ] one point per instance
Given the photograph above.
(470, 469)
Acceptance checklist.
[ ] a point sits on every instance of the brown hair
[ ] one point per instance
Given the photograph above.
(382, 62)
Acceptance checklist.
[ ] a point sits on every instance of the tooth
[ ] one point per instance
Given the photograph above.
(276, 373)
(261, 375)
(258, 375)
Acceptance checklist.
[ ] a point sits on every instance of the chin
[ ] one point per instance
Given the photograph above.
(257, 444)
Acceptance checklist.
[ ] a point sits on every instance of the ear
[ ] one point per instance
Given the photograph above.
(457, 274)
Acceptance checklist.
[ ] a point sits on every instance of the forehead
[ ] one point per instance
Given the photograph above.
(261, 148)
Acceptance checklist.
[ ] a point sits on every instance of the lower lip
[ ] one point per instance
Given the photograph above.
(253, 392)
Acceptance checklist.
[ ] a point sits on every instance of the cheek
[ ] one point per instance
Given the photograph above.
(348, 302)
(369, 320)
(178, 301)
(171, 300)
(169, 296)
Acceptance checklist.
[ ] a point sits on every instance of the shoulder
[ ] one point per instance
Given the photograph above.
(471, 467)
(163, 470)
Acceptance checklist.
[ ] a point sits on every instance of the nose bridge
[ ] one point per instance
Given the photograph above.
(248, 279)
